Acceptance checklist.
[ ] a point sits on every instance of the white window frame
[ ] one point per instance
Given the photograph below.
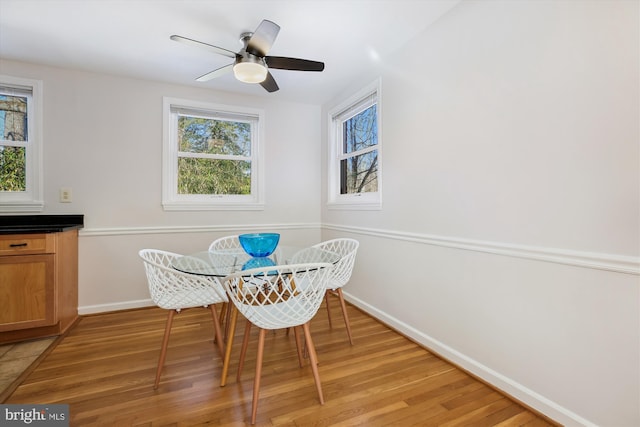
(30, 200)
(352, 105)
(171, 200)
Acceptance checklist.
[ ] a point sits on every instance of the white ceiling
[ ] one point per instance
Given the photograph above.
(131, 37)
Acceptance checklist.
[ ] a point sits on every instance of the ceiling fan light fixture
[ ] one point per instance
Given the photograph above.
(250, 72)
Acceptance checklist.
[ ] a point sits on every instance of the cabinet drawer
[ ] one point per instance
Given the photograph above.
(26, 244)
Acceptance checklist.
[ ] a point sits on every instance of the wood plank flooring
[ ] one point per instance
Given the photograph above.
(105, 367)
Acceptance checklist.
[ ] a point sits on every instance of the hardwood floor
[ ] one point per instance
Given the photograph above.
(105, 367)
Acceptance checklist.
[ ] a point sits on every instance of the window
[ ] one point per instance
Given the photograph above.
(211, 157)
(355, 152)
(20, 145)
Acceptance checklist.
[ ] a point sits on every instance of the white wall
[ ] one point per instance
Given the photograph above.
(508, 241)
(103, 138)
(510, 230)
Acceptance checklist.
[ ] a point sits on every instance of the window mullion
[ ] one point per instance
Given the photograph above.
(344, 156)
(10, 143)
(213, 156)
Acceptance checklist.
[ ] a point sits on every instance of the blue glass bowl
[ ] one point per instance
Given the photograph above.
(259, 244)
(260, 262)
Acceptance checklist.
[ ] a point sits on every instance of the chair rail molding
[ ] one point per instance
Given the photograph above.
(599, 261)
(117, 231)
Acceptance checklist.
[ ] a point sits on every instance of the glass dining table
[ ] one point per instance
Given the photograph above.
(221, 263)
(224, 262)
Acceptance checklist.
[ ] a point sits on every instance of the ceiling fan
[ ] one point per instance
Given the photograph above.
(251, 64)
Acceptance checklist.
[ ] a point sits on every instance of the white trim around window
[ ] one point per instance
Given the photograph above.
(359, 101)
(30, 200)
(171, 200)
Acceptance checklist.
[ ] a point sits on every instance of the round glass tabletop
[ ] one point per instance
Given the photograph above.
(224, 262)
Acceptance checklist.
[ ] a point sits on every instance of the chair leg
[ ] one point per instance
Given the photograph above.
(227, 320)
(298, 344)
(163, 350)
(223, 313)
(227, 352)
(326, 298)
(216, 326)
(314, 360)
(344, 314)
(243, 351)
(256, 381)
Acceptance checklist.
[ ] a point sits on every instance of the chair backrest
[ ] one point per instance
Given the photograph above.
(227, 244)
(346, 248)
(173, 289)
(280, 296)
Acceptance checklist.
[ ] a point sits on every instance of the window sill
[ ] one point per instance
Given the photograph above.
(363, 206)
(21, 206)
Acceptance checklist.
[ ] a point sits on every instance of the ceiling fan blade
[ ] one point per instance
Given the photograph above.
(196, 43)
(269, 83)
(215, 73)
(283, 63)
(263, 37)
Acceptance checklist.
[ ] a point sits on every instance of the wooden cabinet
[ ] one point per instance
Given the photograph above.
(38, 284)
(26, 292)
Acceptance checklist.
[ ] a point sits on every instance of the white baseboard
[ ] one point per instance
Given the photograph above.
(497, 380)
(103, 308)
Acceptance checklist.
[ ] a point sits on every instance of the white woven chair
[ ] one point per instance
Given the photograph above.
(174, 290)
(341, 273)
(226, 244)
(275, 298)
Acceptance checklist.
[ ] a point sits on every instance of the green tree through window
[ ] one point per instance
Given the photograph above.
(359, 170)
(211, 156)
(13, 137)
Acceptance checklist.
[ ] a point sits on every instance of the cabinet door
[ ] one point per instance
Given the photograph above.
(27, 292)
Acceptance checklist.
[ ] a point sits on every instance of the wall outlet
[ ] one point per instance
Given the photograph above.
(65, 195)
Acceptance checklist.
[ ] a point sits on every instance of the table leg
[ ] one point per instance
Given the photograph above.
(227, 353)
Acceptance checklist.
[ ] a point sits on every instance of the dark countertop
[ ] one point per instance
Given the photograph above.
(13, 224)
